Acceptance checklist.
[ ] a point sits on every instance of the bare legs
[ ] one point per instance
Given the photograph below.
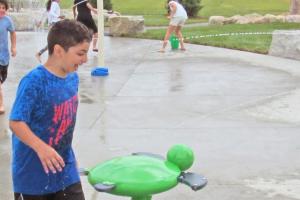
(179, 36)
(1, 101)
(38, 54)
(170, 30)
(178, 33)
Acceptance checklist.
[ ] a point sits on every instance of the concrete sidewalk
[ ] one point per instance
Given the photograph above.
(239, 111)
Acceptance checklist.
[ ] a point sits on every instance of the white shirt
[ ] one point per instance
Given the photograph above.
(53, 13)
(180, 11)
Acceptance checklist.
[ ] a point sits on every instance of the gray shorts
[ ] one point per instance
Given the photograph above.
(177, 21)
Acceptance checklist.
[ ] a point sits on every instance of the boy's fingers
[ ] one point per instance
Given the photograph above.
(45, 167)
(51, 167)
(56, 164)
(61, 161)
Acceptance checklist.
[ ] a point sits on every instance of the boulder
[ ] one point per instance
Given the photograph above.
(270, 18)
(125, 25)
(232, 20)
(243, 20)
(253, 18)
(286, 43)
(293, 18)
(216, 20)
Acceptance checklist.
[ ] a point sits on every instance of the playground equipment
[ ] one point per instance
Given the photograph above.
(141, 175)
(174, 42)
(99, 71)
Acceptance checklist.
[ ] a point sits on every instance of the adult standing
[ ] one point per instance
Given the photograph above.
(84, 15)
(6, 25)
(177, 17)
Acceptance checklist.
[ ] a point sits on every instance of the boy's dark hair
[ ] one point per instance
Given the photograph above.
(4, 2)
(67, 33)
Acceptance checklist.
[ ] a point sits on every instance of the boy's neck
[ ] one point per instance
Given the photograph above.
(2, 16)
(55, 68)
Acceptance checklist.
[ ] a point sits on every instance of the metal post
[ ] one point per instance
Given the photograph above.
(100, 33)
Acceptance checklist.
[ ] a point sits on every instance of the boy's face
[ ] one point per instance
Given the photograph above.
(75, 56)
(2, 10)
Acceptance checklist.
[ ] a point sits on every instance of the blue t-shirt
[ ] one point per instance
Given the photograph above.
(48, 105)
(6, 25)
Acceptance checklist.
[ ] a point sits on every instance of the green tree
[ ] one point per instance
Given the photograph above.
(106, 4)
(192, 7)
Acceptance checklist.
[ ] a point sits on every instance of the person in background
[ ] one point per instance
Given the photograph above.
(53, 16)
(177, 17)
(6, 25)
(84, 9)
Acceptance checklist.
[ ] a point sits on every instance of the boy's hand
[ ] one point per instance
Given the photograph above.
(13, 52)
(50, 159)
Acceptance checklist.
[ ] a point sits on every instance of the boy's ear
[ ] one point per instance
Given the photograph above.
(58, 50)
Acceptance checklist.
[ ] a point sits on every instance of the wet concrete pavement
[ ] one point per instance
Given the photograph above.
(239, 111)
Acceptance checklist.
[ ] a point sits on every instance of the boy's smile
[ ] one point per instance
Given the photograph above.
(62, 62)
(75, 56)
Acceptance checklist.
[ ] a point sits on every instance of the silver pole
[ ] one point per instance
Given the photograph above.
(100, 33)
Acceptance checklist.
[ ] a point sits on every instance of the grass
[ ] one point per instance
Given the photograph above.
(242, 7)
(154, 10)
(210, 35)
(154, 13)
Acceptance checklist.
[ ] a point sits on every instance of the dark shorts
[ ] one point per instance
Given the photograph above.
(3, 73)
(90, 23)
(72, 192)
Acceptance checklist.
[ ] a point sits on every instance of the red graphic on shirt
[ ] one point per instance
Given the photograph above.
(63, 119)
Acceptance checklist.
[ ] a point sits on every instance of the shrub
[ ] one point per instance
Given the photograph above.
(192, 7)
(107, 5)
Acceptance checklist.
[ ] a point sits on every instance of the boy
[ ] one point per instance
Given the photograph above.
(6, 25)
(43, 118)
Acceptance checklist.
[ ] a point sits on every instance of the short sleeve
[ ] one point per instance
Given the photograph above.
(26, 99)
(11, 27)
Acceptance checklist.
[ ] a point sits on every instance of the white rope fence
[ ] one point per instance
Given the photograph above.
(234, 34)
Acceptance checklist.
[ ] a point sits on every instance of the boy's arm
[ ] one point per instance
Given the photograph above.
(13, 40)
(50, 159)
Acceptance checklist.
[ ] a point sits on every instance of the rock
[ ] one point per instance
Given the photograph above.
(233, 19)
(253, 18)
(243, 20)
(293, 18)
(216, 20)
(125, 25)
(270, 18)
(280, 18)
(253, 15)
(286, 43)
